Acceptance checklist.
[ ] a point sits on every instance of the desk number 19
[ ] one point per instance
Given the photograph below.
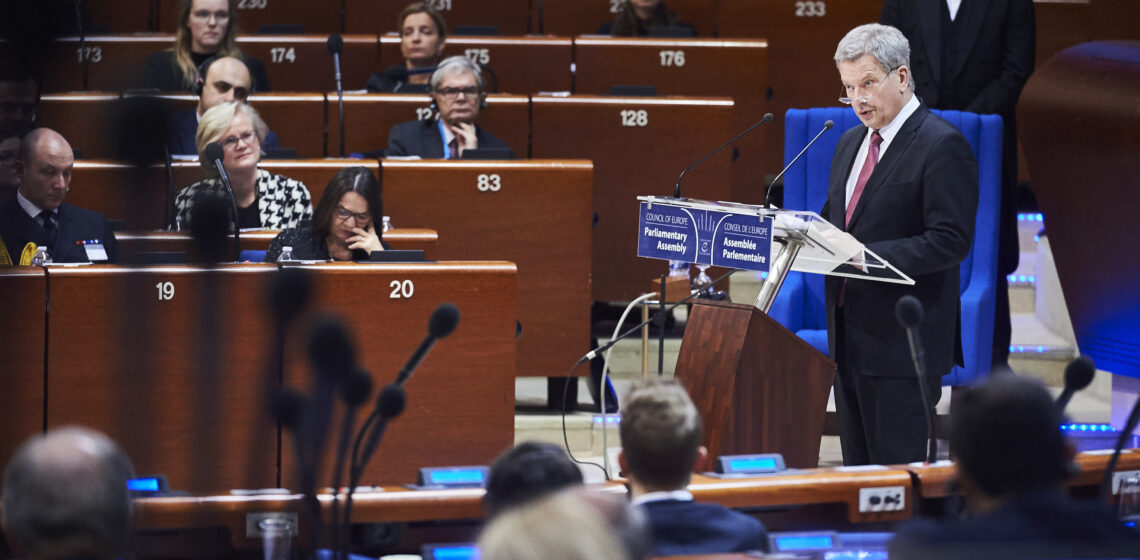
(165, 290)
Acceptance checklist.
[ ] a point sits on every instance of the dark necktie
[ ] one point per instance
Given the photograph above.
(453, 149)
(47, 219)
(864, 174)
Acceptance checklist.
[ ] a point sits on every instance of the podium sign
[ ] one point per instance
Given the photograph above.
(704, 236)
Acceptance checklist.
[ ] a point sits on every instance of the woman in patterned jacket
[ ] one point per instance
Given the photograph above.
(265, 200)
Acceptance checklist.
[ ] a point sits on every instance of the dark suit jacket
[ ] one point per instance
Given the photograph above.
(421, 138)
(182, 128)
(681, 527)
(995, 51)
(917, 212)
(1036, 525)
(75, 224)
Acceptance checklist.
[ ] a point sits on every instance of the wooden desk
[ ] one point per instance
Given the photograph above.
(116, 61)
(120, 16)
(695, 67)
(89, 121)
(171, 362)
(536, 214)
(23, 330)
(369, 117)
(510, 17)
(134, 242)
(303, 62)
(935, 481)
(579, 17)
(520, 64)
(639, 146)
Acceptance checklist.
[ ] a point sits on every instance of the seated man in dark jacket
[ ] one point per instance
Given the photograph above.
(224, 79)
(38, 215)
(660, 446)
(458, 92)
(1012, 461)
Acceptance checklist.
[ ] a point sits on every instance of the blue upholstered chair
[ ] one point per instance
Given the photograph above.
(800, 303)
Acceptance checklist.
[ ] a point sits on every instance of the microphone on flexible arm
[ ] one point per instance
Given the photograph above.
(677, 188)
(908, 311)
(215, 154)
(768, 193)
(336, 47)
(355, 388)
(169, 164)
(1125, 434)
(1078, 374)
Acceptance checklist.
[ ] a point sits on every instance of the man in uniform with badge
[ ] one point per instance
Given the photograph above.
(38, 215)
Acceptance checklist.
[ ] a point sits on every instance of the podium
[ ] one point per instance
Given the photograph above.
(759, 387)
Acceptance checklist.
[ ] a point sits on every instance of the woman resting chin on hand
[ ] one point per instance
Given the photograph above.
(346, 224)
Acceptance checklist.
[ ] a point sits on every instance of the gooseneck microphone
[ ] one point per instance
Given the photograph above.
(908, 311)
(442, 323)
(1078, 374)
(215, 154)
(768, 193)
(336, 47)
(1125, 434)
(677, 188)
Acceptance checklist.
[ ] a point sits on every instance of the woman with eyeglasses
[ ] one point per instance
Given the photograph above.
(347, 224)
(422, 37)
(206, 28)
(635, 18)
(265, 200)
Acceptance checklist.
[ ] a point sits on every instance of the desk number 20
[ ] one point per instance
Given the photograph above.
(165, 290)
(401, 289)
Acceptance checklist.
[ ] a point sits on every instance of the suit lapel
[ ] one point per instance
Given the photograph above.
(970, 17)
(895, 153)
(837, 191)
(930, 20)
(433, 143)
(62, 231)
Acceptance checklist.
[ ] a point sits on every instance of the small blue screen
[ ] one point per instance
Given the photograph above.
(143, 484)
(470, 476)
(805, 542)
(455, 553)
(856, 555)
(752, 464)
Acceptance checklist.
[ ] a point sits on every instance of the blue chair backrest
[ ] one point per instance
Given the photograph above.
(805, 188)
(252, 255)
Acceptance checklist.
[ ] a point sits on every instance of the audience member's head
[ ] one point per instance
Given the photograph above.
(204, 27)
(528, 471)
(874, 66)
(19, 97)
(660, 437)
(574, 524)
(9, 150)
(224, 79)
(1006, 439)
(65, 496)
(43, 166)
(458, 89)
(423, 34)
(239, 129)
(352, 199)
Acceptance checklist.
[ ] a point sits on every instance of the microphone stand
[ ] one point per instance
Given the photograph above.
(233, 201)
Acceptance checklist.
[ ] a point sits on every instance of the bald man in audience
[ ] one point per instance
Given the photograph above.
(660, 445)
(225, 79)
(65, 497)
(38, 214)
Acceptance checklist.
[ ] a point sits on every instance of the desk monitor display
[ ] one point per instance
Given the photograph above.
(152, 485)
(453, 477)
(487, 154)
(397, 255)
(750, 464)
(451, 551)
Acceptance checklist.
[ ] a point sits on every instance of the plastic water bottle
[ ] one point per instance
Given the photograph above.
(387, 226)
(41, 257)
(178, 223)
(286, 255)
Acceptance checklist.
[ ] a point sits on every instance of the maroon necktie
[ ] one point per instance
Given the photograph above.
(864, 174)
(453, 149)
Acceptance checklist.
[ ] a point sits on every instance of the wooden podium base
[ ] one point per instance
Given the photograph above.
(759, 387)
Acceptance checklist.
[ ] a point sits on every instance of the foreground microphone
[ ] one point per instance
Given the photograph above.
(1125, 435)
(214, 153)
(677, 188)
(908, 311)
(1078, 374)
(768, 193)
(443, 321)
(336, 46)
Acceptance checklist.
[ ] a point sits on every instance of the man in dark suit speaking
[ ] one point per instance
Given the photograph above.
(458, 93)
(660, 446)
(905, 184)
(37, 214)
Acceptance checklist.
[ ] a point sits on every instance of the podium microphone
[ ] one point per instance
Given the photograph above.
(768, 193)
(214, 153)
(677, 189)
(908, 311)
(336, 46)
(1078, 374)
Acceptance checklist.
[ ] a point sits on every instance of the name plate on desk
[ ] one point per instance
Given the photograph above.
(704, 236)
